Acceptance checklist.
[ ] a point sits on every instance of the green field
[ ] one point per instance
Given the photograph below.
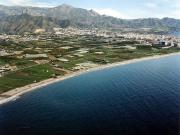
(27, 76)
(27, 71)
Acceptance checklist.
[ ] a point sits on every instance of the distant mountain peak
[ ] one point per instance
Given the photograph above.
(20, 19)
(64, 6)
(93, 12)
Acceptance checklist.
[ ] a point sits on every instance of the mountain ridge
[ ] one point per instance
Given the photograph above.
(66, 15)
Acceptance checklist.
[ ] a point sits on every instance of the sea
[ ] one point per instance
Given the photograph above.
(177, 33)
(140, 98)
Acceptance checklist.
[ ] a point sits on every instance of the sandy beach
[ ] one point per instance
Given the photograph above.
(16, 93)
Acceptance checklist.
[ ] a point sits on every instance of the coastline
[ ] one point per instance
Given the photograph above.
(16, 93)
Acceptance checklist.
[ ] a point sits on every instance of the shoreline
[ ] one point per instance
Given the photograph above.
(16, 93)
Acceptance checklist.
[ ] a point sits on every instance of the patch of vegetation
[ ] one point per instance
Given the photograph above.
(27, 76)
(27, 71)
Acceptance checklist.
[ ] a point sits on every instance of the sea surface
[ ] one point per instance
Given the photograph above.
(177, 33)
(136, 99)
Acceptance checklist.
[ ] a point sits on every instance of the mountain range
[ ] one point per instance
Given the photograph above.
(18, 19)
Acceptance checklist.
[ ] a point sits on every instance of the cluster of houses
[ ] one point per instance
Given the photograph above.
(144, 39)
(167, 42)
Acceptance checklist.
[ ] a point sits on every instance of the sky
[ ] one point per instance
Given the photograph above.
(126, 9)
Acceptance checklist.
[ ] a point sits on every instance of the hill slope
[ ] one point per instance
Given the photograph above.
(26, 19)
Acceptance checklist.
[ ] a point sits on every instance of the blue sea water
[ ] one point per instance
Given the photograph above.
(136, 99)
(177, 33)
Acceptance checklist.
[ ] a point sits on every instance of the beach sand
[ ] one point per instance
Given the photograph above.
(16, 93)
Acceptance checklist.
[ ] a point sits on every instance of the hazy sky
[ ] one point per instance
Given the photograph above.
(117, 8)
